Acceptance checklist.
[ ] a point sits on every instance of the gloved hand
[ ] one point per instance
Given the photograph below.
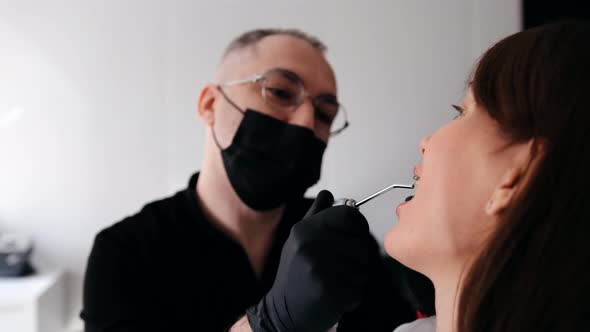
(387, 302)
(322, 274)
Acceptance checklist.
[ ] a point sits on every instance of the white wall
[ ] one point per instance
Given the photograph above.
(97, 100)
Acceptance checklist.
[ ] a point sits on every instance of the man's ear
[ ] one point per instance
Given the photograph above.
(522, 155)
(205, 105)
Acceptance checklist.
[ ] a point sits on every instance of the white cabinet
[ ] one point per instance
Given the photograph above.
(32, 304)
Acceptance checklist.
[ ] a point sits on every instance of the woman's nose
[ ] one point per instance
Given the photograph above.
(423, 143)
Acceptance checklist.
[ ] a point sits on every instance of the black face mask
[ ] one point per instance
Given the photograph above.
(270, 162)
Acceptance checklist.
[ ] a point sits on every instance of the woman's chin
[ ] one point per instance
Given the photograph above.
(391, 243)
(399, 245)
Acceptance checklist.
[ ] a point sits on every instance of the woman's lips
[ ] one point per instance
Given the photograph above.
(415, 171)
(409, 198)
(397, 209)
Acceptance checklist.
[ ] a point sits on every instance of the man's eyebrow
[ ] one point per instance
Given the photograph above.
(288, 74)
(328, 97)
(291, 75)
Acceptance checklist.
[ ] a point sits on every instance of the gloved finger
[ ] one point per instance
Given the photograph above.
(324, 200)
(344, 219)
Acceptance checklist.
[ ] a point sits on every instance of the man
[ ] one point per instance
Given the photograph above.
(197, 261)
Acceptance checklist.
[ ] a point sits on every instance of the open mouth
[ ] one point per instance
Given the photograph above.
(416, 179)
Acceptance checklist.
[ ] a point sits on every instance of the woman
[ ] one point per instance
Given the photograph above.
(501, 217)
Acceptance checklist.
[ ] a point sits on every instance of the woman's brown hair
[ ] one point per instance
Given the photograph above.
(534, 272)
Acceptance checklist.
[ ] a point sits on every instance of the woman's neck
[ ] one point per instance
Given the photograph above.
(447, 283)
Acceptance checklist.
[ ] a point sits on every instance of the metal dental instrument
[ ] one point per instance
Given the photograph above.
(355, 204)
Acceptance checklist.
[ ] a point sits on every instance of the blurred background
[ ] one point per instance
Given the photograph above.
(98, 106)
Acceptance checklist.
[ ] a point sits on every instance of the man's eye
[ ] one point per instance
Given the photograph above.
(323, 117)
(280, 93)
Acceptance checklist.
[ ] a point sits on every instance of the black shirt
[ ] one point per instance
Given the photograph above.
(167, 268)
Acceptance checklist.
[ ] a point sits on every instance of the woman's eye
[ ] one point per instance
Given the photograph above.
(459, 109)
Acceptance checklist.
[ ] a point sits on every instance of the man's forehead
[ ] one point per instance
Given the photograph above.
(285, 52)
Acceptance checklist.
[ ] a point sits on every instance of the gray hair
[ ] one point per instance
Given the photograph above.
(252, 37)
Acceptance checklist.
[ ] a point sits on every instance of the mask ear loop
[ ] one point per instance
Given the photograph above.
(216, 140)
(234, 106)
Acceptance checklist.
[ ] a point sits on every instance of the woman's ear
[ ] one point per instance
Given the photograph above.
(522, 157)
(205, 105)
(504, 192)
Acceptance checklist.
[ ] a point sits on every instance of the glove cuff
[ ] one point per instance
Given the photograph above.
(258, 319)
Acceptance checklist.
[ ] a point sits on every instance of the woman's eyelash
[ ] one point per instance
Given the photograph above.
(458, 109)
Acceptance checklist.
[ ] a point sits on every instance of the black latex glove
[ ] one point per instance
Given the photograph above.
(323, 200)
(322, 274)
(385, 305)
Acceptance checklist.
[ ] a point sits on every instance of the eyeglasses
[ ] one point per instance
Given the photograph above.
(283, 91)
